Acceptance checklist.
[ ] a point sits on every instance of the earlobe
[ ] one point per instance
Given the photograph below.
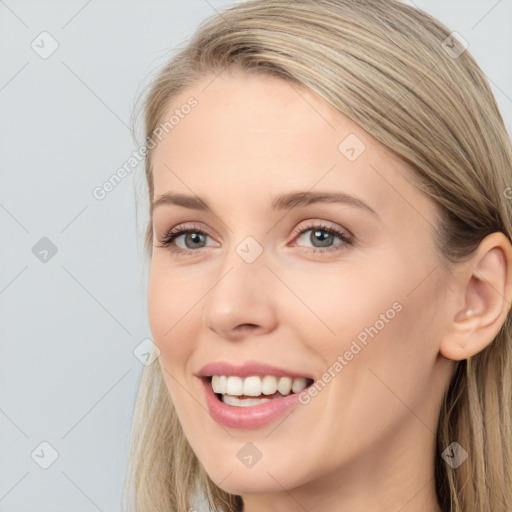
(484, 288)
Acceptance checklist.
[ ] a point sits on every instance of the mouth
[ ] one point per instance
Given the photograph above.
(254, 390)
(251, 394)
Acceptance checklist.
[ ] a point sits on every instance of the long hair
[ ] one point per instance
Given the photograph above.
(404, 78)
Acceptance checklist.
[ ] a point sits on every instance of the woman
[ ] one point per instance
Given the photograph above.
(330, 278)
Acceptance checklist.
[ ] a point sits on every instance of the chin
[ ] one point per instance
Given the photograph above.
(247, 483)
(270, 476)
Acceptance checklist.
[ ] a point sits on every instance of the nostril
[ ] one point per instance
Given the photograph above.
(244, 327)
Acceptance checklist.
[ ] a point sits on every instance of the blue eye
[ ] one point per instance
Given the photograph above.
(324, 236)
(194, 239)
(194, 235)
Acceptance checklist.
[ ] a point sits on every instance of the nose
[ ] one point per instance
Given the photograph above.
(241, 302)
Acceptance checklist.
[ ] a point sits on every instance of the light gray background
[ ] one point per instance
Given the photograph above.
(69, 326)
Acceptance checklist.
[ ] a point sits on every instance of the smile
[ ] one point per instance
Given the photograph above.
(251, 394)
(242, 392)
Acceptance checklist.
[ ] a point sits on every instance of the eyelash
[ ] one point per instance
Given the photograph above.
(174, 233)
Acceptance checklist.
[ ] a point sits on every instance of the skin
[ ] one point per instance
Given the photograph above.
(366, 441)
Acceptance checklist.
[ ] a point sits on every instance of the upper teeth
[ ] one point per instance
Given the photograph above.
(255, 386)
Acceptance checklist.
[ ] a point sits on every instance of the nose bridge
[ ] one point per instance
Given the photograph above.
(240, 294)
(244, 259)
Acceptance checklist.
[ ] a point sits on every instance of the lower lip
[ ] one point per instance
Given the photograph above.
(253, 416)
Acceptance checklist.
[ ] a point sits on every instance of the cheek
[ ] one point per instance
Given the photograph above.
(389, 339)
(337, 306)
(172, 314)
(373, 319)
(174, 321)
(172, 330)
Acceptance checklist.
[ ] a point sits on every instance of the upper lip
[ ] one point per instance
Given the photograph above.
(248, 369)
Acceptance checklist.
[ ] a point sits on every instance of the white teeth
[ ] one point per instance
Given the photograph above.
(269, 385)
(252, 386)
(234, 386)
(256, 386)
(216, 384)
(243, 402)
(284, 385)
(299, 384)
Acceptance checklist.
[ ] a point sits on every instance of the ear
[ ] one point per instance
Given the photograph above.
(484, 288)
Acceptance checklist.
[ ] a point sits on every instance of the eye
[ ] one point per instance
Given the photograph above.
(322, 238)
(194, 238)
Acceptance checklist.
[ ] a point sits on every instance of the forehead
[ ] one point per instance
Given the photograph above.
(253, 136)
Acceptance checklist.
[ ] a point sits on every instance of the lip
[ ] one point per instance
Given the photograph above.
(248, 369)
(251, 417)
(254, 416)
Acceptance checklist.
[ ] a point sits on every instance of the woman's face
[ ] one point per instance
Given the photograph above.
(346, 292)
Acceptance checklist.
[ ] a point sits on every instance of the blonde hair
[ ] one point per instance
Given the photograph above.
(399, 74)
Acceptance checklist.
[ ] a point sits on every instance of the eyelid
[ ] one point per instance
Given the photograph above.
(166, 241)
(184, 227)
(321, 224)
(346, 237)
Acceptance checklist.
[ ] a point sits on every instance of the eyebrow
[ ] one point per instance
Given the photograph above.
(281, 202)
